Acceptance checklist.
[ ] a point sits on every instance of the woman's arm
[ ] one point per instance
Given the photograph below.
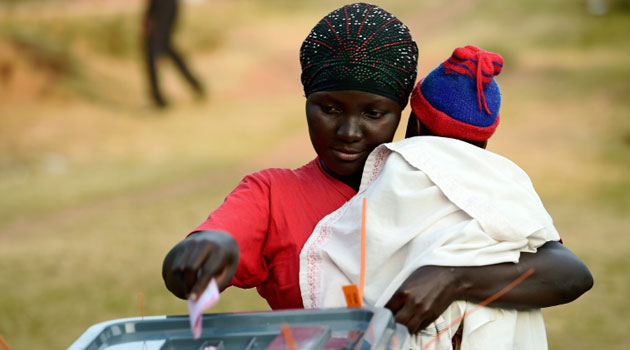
(559, 277)
(232, 237)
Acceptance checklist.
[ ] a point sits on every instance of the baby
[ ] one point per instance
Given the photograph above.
(437, 198)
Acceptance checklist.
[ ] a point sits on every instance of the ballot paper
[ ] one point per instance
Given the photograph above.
(209, 297)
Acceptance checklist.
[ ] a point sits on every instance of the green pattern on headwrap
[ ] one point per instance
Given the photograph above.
(360, 47)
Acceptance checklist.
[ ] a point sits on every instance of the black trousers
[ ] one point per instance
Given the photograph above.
(157, 45)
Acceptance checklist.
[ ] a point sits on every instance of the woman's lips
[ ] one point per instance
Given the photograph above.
(347, 156)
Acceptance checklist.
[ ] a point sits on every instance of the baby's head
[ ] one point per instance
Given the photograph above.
(459, 99)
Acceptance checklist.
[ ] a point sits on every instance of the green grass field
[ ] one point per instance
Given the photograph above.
(96, 185)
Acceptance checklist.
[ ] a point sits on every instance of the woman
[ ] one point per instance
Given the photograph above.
(358, 68)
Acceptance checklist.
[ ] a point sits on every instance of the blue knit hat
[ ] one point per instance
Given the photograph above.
(460, 98)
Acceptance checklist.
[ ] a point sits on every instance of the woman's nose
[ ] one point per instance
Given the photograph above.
(350, 129)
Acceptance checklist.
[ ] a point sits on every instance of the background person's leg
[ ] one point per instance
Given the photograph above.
(183, 68)
(152, 55)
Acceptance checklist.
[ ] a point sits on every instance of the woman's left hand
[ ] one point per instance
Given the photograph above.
(424, 296)
(559, 277)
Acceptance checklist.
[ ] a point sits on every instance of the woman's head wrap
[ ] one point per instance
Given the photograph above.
(360, 47)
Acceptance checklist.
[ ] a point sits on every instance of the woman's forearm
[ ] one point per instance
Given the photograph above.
(559, 277)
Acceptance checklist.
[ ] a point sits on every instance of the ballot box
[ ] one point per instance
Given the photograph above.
(343, 328)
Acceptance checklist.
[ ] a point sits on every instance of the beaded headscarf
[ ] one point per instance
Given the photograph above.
(360, 47)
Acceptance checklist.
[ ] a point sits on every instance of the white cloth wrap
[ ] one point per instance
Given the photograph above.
(432, 201)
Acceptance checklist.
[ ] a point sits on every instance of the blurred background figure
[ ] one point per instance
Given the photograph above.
(157, 27)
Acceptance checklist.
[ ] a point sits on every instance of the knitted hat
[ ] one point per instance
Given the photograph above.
(460, 98)
(360, 47)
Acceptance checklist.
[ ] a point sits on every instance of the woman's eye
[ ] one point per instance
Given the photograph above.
(329, 109)
(374, 114)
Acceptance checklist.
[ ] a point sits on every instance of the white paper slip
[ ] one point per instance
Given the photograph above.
(209, 297)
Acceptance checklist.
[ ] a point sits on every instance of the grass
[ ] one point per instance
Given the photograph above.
(96, 185)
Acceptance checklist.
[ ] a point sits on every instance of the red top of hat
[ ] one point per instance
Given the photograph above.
(478, 64)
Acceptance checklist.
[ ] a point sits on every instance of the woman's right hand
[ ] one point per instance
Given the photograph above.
(193, 262)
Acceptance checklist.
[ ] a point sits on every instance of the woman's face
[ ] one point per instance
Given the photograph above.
(345, 126)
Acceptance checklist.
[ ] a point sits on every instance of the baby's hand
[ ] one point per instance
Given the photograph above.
(193, 262)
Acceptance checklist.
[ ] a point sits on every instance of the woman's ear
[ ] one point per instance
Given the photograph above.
(413, 126)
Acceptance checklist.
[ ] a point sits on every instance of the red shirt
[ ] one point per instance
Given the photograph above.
(271, 214)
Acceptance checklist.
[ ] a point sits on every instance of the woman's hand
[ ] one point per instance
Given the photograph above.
(193, 262)
(424, 296)
(559, 277)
